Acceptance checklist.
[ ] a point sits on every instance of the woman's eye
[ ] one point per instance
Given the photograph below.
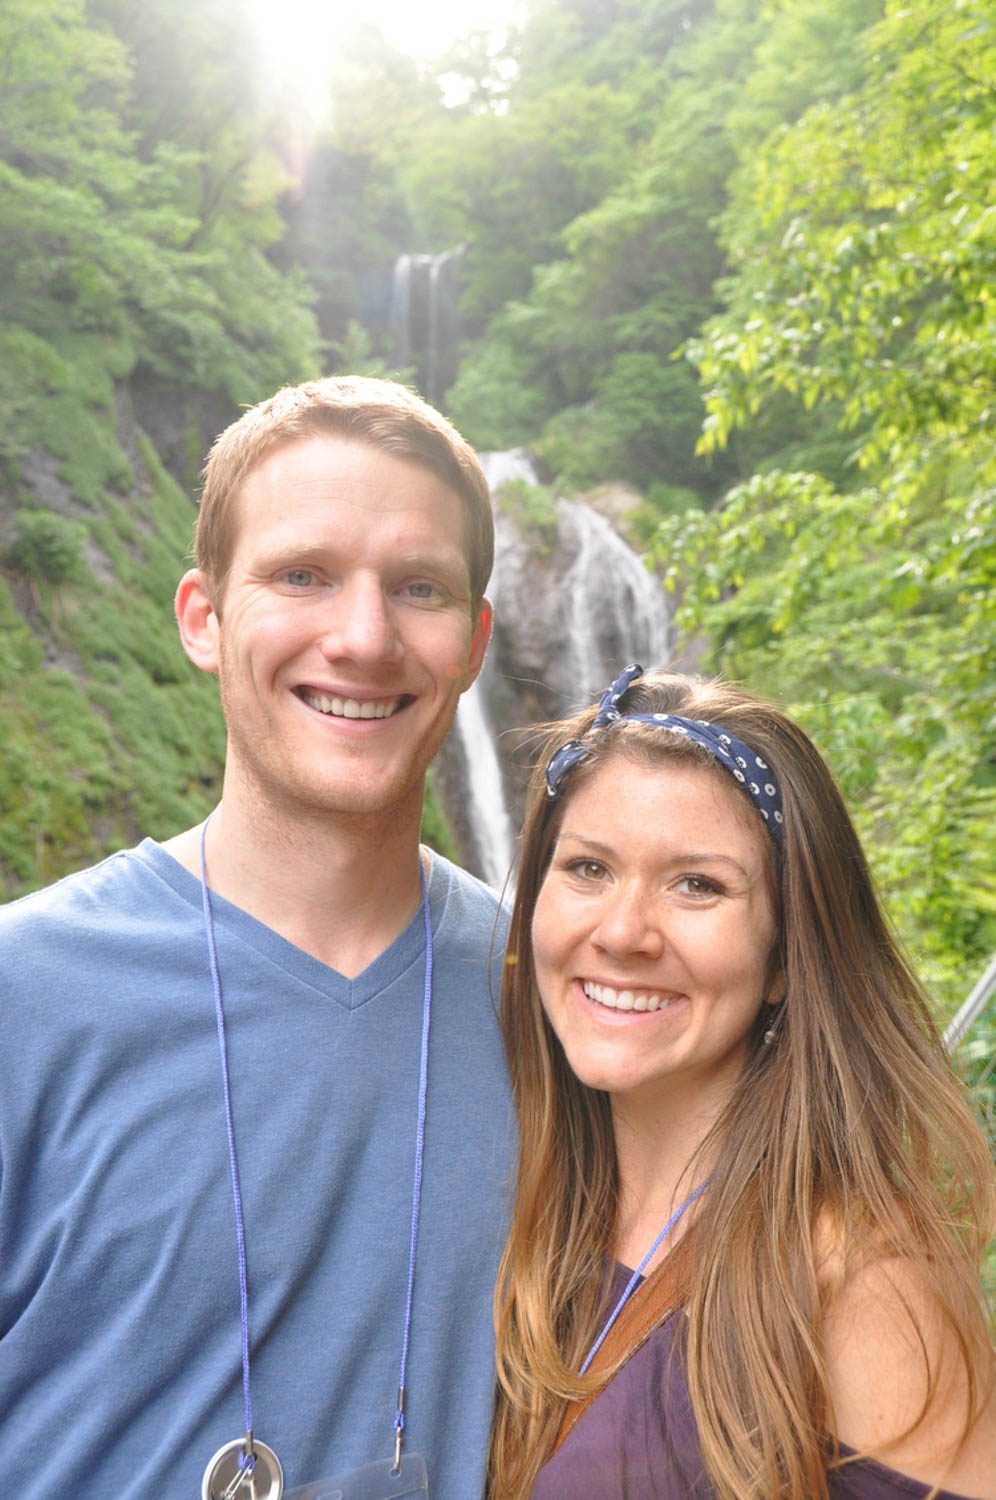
(588, 869)
(697, 885)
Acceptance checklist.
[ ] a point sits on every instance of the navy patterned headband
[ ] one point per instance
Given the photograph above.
(754, 774)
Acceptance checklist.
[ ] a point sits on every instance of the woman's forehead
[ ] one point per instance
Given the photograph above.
(674, 792)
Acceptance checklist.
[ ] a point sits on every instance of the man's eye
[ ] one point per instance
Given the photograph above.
(421, 589)
(300, 578)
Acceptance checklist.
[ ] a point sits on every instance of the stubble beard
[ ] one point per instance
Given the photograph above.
(273, 789)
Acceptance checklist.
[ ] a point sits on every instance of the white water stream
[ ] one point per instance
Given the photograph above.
(601, 610)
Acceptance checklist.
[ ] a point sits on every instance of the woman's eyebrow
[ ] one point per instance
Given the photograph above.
(678, 857)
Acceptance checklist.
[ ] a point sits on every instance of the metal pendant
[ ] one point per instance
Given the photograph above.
(225, 1479)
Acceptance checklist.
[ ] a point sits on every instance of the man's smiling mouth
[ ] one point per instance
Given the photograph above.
(353, 708)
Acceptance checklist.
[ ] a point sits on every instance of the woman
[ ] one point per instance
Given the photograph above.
(728, 1080)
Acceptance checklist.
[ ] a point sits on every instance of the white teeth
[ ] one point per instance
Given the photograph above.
(352, 708)
(604, 994)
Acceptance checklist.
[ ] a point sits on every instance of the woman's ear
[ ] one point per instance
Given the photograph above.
(197, 620)
(775, 983)
(772, 1012)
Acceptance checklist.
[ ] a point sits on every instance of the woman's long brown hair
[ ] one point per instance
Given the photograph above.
(851, 1121)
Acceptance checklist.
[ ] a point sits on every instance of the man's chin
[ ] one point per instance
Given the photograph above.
(357, 800)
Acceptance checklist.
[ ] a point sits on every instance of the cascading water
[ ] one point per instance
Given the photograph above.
(571, 606)
(424, 317)
(616, 611)
(568, 615)
(490, 825)
(488, 821)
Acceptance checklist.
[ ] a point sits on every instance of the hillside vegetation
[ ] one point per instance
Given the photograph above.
(735, 253)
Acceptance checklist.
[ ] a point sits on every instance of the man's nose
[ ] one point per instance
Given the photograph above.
(361, 624)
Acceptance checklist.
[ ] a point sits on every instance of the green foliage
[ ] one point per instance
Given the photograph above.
(864, 246)
(349, 212)
(863, 249)
(135, 229)
(533, 510)
(436, 831)
(872, 622)
(798, 194)
(493, 400)
(20, 651)
(106, 243)
(576, 314)
(642, 411)
(123, 736)
(508, 183)
(47, 548)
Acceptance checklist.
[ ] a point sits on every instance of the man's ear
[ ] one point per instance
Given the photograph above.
(197, 620)
(479, 638)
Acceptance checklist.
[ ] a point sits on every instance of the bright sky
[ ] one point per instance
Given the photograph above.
(297, 36)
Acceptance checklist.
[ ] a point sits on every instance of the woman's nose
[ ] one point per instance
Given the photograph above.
(629, 923)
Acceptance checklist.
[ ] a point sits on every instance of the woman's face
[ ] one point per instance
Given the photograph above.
(653, 928)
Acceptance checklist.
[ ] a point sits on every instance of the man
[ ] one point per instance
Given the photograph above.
(218, 1195)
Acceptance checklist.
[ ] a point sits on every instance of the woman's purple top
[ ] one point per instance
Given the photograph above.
(638, 1441)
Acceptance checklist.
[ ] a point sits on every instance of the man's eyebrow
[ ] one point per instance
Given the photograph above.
(447, 561)
(280, 551)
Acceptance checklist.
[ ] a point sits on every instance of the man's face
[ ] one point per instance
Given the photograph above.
(343, 636)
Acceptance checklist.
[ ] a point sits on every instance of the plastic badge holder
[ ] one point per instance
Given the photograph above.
(378, 1481)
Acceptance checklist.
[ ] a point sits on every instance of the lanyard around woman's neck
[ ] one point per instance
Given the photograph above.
(634, 1280)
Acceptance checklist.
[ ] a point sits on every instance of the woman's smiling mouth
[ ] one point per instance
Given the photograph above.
(613, 999)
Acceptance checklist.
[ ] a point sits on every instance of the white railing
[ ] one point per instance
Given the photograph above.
(972, 1007)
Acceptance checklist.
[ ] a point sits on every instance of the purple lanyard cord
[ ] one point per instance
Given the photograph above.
(634, 1279)
(249, 1458)
(423, 1089)
(247, 1461)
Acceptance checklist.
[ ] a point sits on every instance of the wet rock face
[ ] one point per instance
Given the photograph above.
(569, 615)
(573, 604)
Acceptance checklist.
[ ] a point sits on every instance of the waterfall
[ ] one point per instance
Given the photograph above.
(401, 309)
(568, 615)
(615, 608)
(424, 317)
(490, 822)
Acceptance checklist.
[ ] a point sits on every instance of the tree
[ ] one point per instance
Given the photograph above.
(861, 241)
(631, 276)
(863, 252)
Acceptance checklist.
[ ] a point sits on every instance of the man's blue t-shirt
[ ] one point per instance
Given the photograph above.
(120, 1366)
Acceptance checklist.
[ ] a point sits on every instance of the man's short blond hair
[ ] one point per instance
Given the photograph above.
(384, 415)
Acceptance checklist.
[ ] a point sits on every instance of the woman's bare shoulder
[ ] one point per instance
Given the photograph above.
(897, 1380)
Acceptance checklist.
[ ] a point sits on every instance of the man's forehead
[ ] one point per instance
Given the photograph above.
(313, 486)
(339, 460)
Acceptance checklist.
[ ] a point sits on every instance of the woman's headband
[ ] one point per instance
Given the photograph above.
(754, 774)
